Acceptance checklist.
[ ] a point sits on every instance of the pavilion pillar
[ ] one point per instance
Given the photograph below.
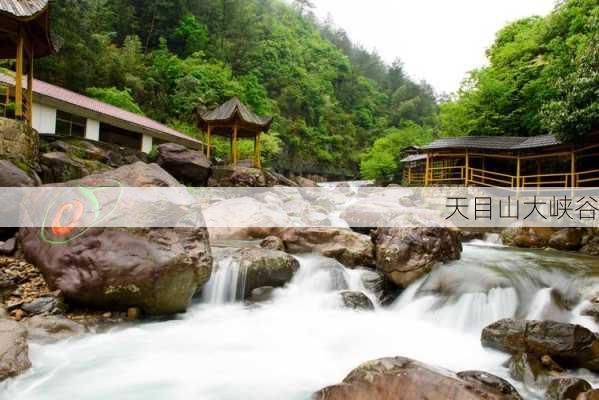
(518, 169)
(257, 161)
(467, 168)
(573, 169)
(19, 75)
(208, 136)
(234, 145)
(427, 170)
(30, 89)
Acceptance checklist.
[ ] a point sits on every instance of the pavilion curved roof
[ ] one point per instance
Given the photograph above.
(35, 14)
(223, 118)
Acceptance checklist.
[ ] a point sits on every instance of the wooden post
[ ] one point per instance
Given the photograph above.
(208, 136)
(19, 76)
(234, 144)
(30, 89)
(257, 161)
(573, 169)
(467, 163)
(427, 170)
(409, 176)
(518, 166)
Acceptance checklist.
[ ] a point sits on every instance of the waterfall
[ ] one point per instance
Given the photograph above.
(226, 284)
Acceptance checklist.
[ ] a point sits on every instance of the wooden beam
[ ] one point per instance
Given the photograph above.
(234, 150)
(19, 76)
(467, 164)
(518, 173)
(573, 169)
(427, 170)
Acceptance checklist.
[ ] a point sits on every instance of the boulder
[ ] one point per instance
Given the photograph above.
(188, 166)
(14, 351)
(8, 247)
(406, 254)
(275, 179)
(52, 328)
(591, 247)
(529, 369)
(262, 267)
(567, 389)
(305, 182)
(13, 176)
(47, 304)
(399, 377)
(527, 237)
(18, 143)
(350, 248)
(491, 381)
(155, 269)
(261, 294)
(571, 346)
(567, 239)
(355, 300)
(272, 243)
(590, 395)
(237, 177)
(63, 167)
(385, 291)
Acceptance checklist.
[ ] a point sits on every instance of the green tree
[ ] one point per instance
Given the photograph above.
(116, 97)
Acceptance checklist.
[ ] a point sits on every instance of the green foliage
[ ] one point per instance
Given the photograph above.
(193, 34)
(116, 97)
(382, 161)
(533, 62)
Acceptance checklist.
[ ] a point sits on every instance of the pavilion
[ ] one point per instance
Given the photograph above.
(234, 120)
(24, 35)
(504, 161)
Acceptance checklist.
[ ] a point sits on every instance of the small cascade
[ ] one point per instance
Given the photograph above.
(227, 283)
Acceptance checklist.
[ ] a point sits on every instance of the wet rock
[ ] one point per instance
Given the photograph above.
(356, 300)
(399, 377)
(155, 269)
(14, 351)
(350, 248)
(529, 369)
(406, 254)
(261, 294)
(385, 291)
(566, 389)
(527, 237)
(275, 179)
(262, 267)
(18, 143)
(63, 167)
(12, 176)
(304, 182)
(591, 247)
(571, 346)
(133, 313)
(237, 177)
(590, 395)
(592, 310)
(52, 328)
(187, 166)
(567, 239)
(272, 243)
(8, 247)
(491, 381)
(47, 304)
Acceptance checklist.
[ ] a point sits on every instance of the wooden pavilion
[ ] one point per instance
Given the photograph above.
(234, 120)
(24, 35)
(514, 162)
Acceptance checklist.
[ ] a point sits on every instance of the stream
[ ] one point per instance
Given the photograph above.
(303, 339)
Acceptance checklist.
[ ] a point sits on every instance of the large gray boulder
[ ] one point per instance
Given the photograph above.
(14, 352)
(571, 346)
(188, 166)
(404, 255)
(12, 176)
(52, 328)
(155, 269)
(401, 378)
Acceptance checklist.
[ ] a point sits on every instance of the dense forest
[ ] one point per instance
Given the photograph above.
(338, 108)
(331, 99)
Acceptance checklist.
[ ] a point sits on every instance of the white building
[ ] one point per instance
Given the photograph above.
(62, 112)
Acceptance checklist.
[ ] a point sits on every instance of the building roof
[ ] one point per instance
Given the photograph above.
(493, 142)
(46, 93)
(34, 14)
(234, 111)
(414, 157)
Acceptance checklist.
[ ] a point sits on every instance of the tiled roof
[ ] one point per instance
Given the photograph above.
(414, 157)
(75, 99)
(23, 8)
(493, 142)
(227, 110)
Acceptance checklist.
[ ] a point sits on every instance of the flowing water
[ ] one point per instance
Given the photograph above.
(303, 339)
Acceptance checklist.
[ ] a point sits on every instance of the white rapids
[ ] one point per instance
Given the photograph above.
(303, 339)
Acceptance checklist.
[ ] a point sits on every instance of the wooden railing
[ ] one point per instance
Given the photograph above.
(7, 103)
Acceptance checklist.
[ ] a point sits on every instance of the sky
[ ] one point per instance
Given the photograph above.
(437, 40)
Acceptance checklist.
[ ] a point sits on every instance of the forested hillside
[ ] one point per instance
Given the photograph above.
(542, 77)
(331, 99)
